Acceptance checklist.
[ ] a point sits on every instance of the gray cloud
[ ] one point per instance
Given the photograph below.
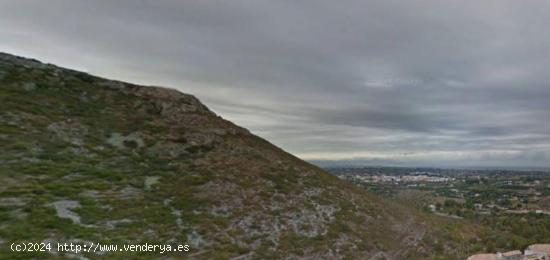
(409, 82)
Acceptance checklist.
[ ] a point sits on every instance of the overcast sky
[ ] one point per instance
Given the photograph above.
(436, 83)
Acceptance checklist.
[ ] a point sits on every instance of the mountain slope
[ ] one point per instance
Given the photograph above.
(93, 160)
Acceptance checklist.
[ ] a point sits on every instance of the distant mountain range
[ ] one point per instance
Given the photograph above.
(391, 163)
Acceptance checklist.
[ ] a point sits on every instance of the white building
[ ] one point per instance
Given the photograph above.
(538, 250)
(483, 257)
(511, 255)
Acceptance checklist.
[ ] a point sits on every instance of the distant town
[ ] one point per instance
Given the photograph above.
(513, 203)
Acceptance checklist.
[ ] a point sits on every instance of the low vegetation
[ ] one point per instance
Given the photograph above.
(88, 159)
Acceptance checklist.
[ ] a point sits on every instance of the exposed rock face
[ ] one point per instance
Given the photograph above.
(64, 209)
(132, 140)
(69, 131)
(138, 164)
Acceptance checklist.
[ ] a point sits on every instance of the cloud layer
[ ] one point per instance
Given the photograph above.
(456, 83)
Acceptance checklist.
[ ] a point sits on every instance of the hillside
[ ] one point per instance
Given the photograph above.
(87, 159)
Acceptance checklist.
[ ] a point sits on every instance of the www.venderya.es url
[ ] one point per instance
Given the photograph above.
(91, 247)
